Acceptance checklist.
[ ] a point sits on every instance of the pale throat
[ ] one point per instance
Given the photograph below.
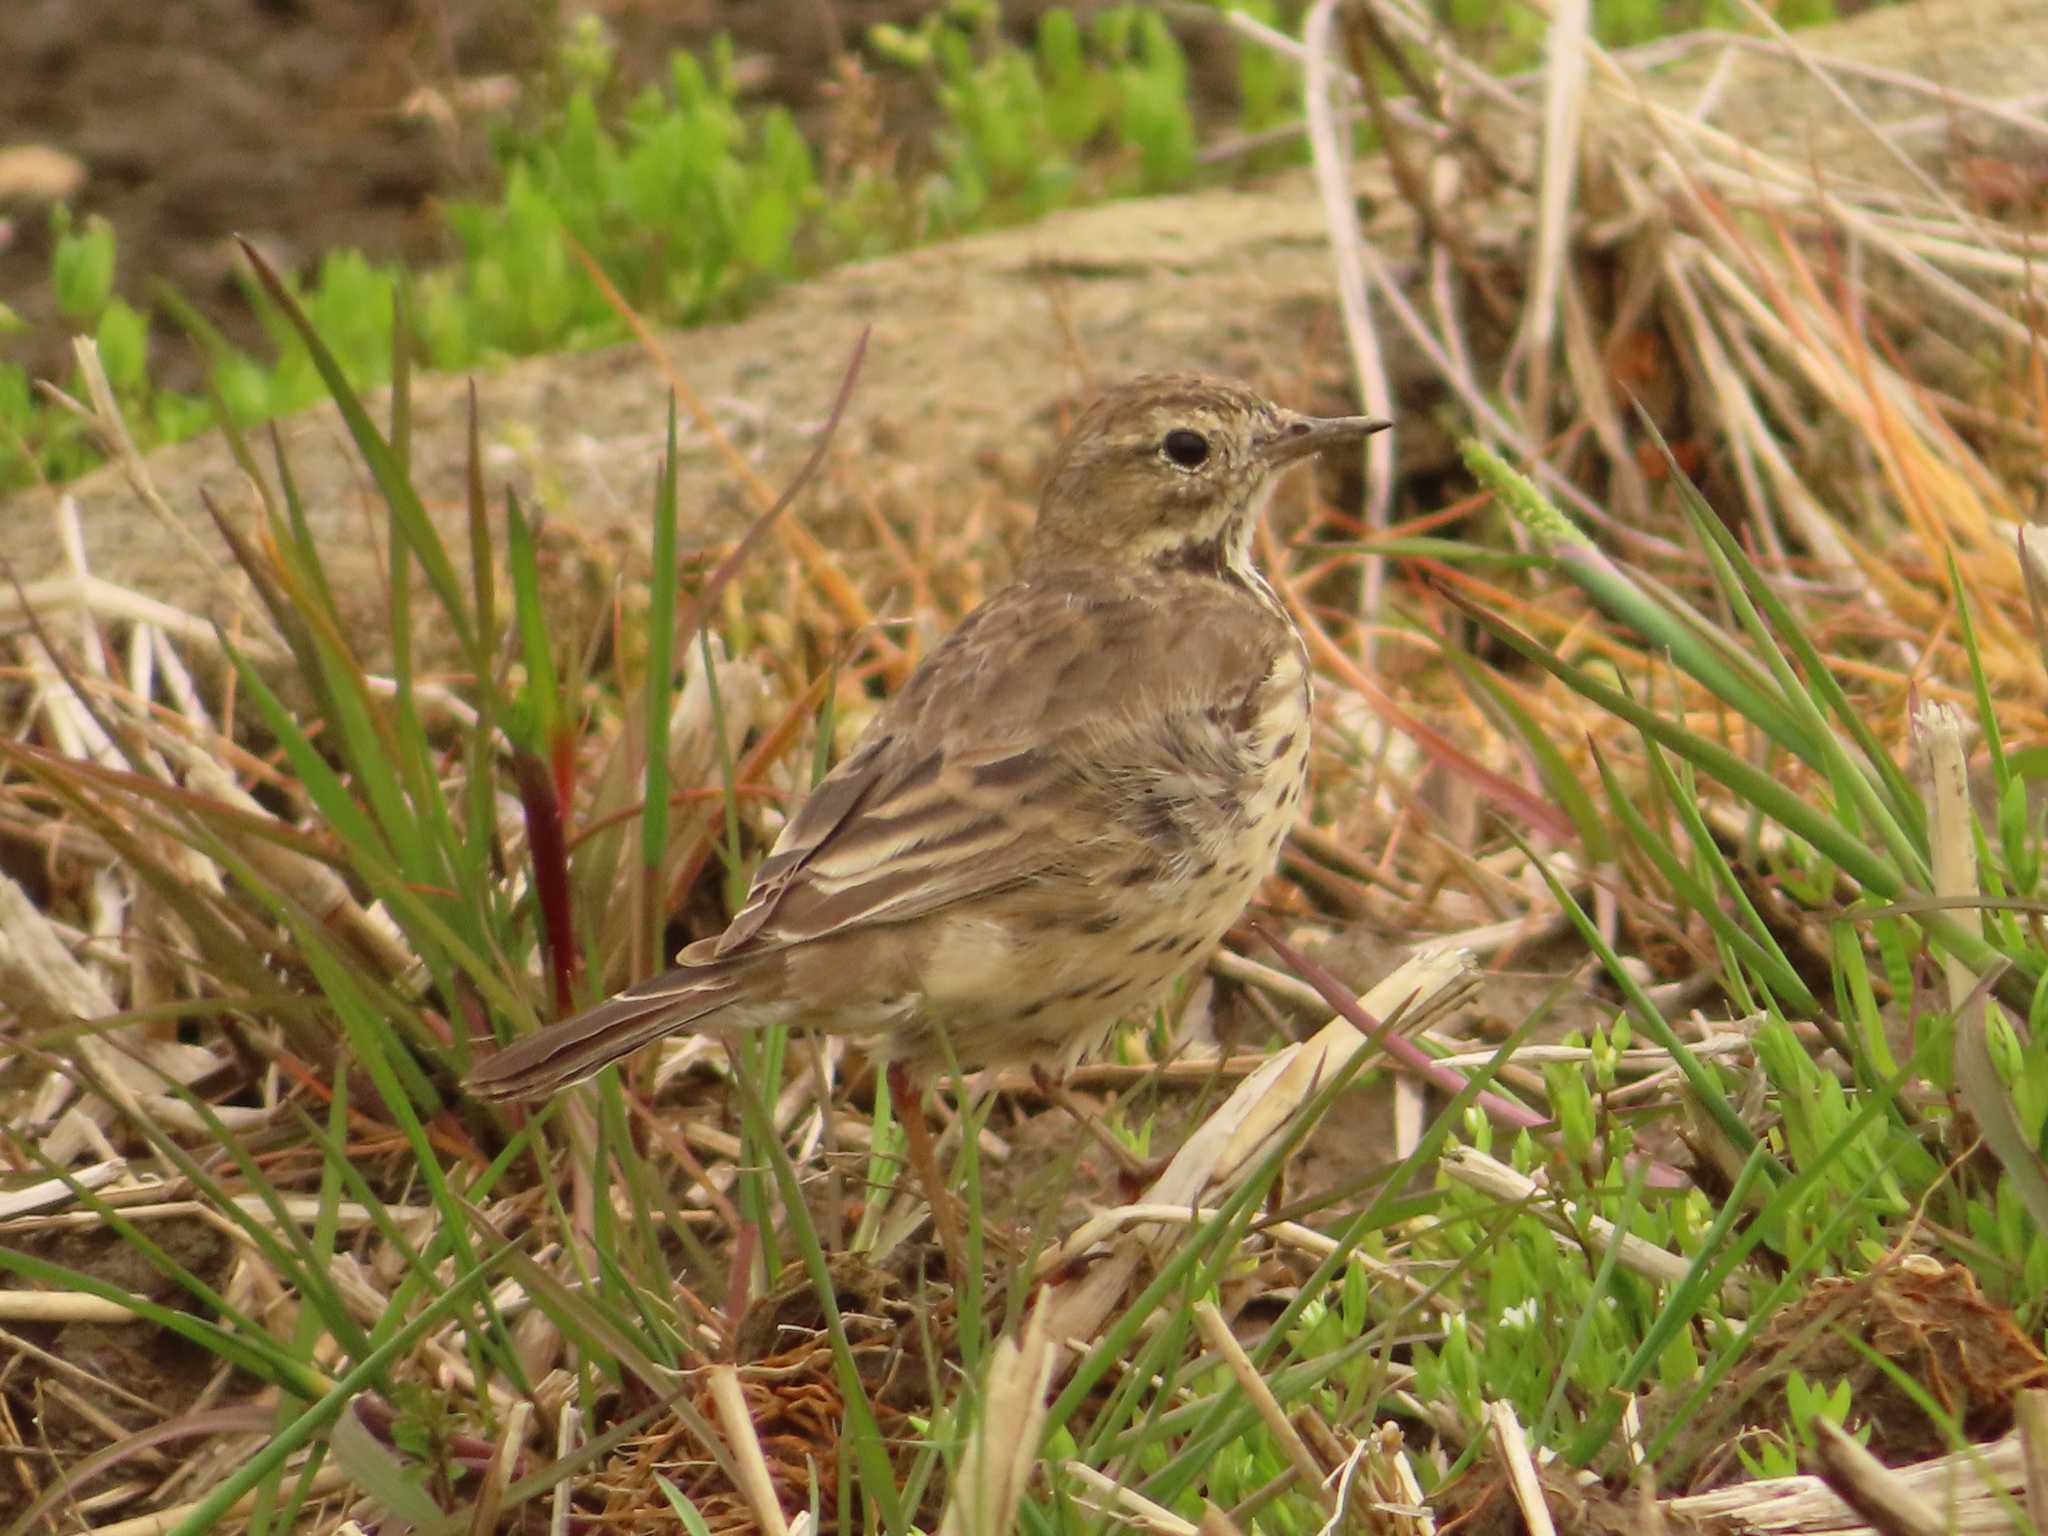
(1239, 527)
(1228, 530)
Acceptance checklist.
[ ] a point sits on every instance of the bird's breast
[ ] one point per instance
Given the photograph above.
(1208, 836)
(1277, 757)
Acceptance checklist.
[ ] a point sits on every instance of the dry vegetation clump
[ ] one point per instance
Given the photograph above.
(1670, 893)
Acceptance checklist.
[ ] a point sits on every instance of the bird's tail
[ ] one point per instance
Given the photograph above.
(569, 1051)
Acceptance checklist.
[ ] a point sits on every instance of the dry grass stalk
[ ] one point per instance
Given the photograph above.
(1380, 1483)
(1133, 1507)
(1333, 182)
(738, 1424)
(1938, 738)
(1871, 1488)
(1523, 1479)
(60, 1191)
(1972, 1490)
(996, 1465)
(1308, 1472)
(48, 983)
(24, 1306)
(2032, 1411)
(328, 1480)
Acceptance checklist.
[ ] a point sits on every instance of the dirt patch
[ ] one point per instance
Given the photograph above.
(280, 119)
(115, 1378)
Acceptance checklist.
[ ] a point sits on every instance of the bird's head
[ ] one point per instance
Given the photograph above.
(1174, 470)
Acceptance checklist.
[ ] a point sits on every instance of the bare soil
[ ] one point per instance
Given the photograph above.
(283, 120)
(160, 1375)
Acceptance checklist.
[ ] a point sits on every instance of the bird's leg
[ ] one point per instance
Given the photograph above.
(924, 1162)
(1134, 1173)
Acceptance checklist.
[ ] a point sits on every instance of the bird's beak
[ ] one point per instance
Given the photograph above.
(1301, 436)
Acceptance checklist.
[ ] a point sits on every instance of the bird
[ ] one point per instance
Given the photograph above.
(1067, 803)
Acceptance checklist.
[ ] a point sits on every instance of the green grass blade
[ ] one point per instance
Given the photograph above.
(408, 515)
(661, 641)
(1749, 940)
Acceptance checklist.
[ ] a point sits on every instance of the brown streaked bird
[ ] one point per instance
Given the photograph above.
(1068, 802)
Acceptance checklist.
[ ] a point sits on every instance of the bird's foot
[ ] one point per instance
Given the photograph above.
(924, 1162)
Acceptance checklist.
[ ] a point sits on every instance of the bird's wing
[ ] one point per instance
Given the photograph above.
(993, 765)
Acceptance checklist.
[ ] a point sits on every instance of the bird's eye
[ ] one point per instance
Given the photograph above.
(1190, 450)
